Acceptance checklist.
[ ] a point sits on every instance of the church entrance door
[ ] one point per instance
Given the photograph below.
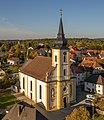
(64, 100)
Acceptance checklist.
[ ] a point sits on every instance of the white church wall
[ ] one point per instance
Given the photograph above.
(33, 88)
(25, 90)
(43, 85)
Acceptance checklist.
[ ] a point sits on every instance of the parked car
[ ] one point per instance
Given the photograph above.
(88, 100)
(90, 96)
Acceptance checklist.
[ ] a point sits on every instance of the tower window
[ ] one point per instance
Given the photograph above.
(64, 58)
(64, 72)
(31, 85)
(23, 83)
(55, 58)
(40, 92)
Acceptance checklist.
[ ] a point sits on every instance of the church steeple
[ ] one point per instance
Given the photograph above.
(61, 31)
(61, 41)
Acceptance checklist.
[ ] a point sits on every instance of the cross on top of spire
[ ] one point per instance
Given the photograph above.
(61, 41)
(60, 12)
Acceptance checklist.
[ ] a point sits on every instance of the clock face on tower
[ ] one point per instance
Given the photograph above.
(64, 53)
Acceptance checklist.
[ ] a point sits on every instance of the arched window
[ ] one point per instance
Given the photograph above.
(64, 72)
(23, 83)
(55, 58)
(64, 58)
(40, 92)
(31, 85)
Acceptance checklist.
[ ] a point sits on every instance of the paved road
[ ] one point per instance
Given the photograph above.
(57, 114)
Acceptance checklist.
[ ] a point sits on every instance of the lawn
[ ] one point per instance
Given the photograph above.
(13, 68)
(100, 118)
(7, 101)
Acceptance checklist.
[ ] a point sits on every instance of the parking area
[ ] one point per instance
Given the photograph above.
(80, 94)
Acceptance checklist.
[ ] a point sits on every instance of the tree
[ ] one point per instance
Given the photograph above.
(33, 54)
(79, 114)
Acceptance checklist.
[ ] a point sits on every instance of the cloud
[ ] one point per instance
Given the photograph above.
(11, 31)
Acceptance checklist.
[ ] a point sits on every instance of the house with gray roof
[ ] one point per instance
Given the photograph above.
(95, 84)
(23, 111)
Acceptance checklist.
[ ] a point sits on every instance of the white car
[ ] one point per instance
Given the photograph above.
(90, 96)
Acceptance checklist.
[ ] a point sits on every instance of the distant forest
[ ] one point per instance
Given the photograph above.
(94, 44)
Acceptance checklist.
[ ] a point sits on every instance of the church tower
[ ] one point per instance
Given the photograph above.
(60, 59)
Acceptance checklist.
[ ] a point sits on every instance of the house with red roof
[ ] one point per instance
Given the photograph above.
(101, 55)
(93, 62)
(13, 61)
(92, 52)
(81, 73)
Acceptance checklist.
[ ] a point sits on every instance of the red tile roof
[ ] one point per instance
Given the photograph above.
(38, 67)
(88, 63)
(102, 52)
(94, 51)
(13, 58)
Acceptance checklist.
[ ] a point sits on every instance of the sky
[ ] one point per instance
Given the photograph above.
(26, 19)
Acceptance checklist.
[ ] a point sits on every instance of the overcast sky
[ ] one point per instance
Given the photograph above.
(23, 19)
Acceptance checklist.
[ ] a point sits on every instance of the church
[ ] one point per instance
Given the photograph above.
(46, 80)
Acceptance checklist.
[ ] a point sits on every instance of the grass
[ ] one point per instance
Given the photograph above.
(13, 68)
(7, 101)
(100, 118)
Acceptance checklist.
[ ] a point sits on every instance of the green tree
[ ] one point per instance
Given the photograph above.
(33, 54)
(79, 114)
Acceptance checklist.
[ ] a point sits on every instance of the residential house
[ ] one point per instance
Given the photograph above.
(23, 111)
(2, 72)
(101, 55)
(81, 73)
(93, 62)
(95, 84)
(92, 53)
(13, 61)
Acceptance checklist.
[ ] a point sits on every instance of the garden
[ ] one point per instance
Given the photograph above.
(6, 101)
